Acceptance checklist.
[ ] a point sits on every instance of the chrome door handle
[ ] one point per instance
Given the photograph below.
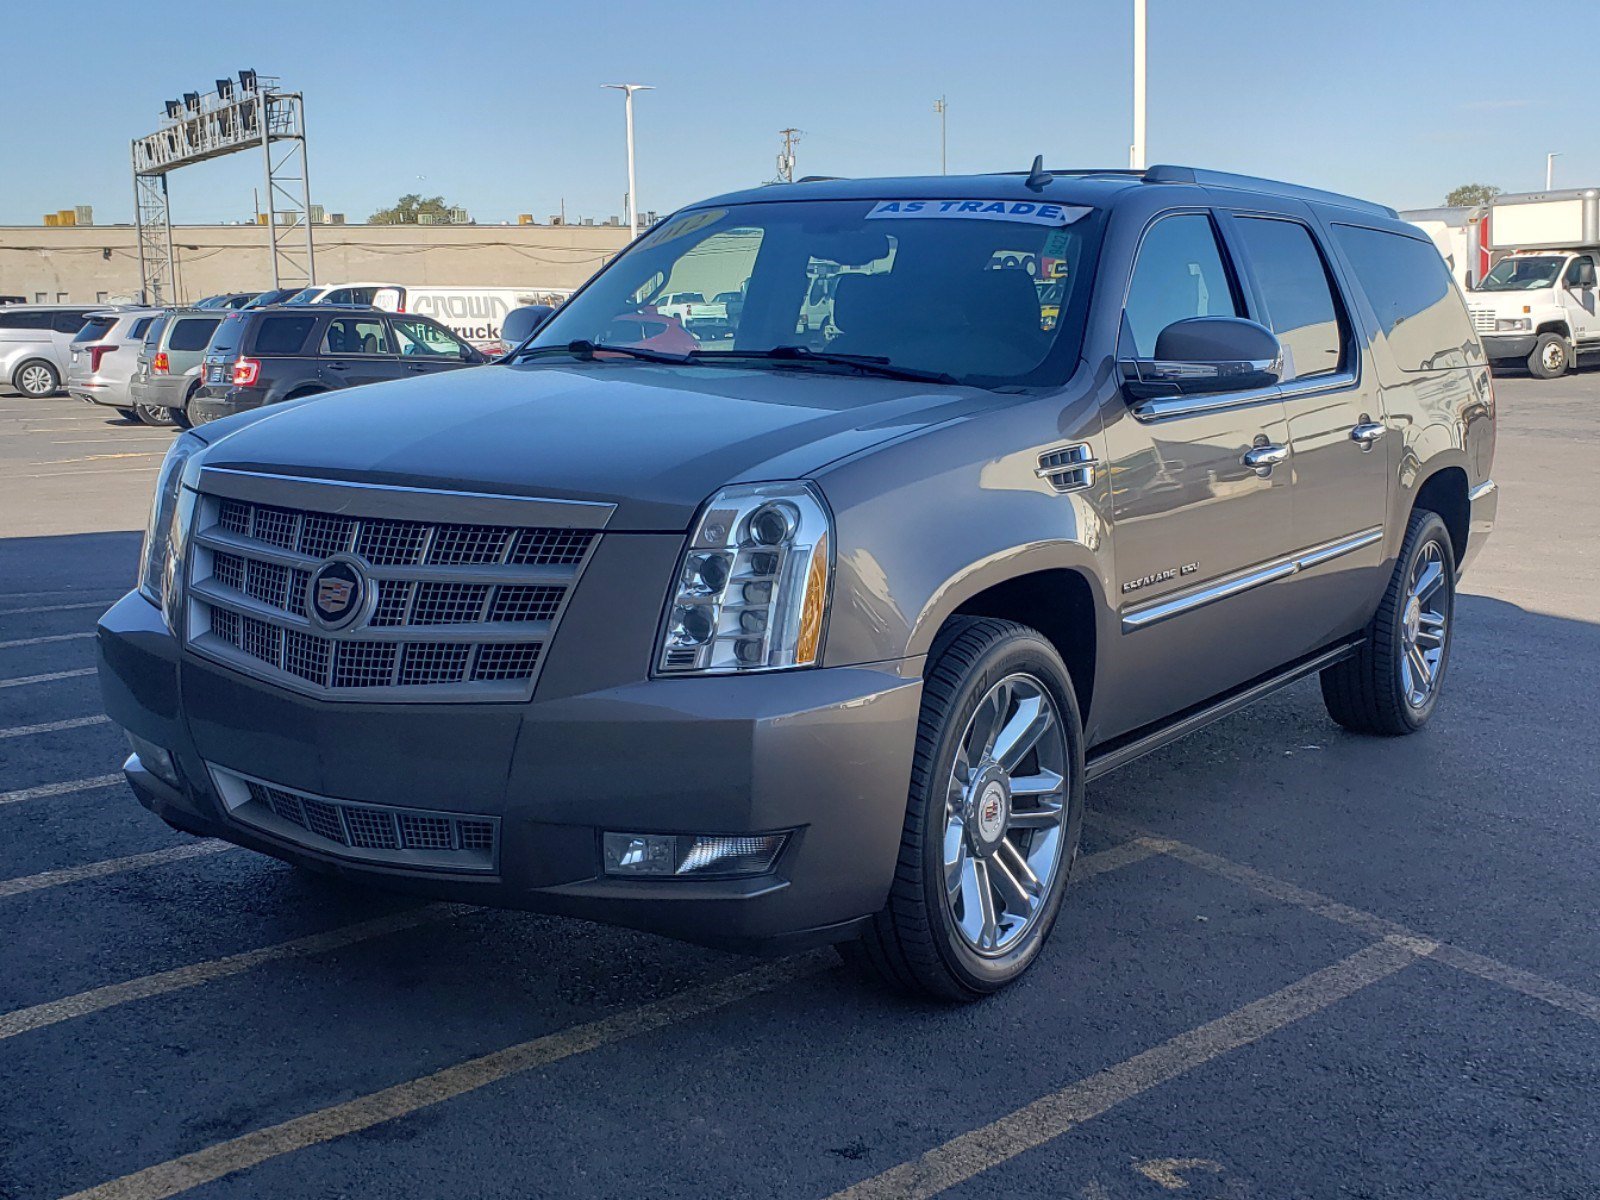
(1367, 434)
(1261, 459)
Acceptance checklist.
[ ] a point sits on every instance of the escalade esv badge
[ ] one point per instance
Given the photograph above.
(335, 593)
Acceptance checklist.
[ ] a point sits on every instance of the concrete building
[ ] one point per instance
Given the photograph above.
(99, 263)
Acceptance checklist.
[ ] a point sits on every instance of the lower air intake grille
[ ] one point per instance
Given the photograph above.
(376, 833)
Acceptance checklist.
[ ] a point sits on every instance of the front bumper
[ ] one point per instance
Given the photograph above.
(1503, 346)
(824, 755)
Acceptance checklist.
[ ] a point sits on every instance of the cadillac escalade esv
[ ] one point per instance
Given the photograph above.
(817, 635)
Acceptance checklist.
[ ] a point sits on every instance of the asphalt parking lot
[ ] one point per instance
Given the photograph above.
(1296, 963)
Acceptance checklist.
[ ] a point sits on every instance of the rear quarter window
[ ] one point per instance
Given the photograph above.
(152, 336)
(24, 320)
(192, 333)
(282, 335)
(68, 322)
(1418, 308)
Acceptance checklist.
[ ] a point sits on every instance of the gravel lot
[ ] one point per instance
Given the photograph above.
(1296, 963)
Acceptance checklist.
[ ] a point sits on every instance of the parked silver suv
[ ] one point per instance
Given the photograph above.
(102, 359)
(818, 635)
(35, 345)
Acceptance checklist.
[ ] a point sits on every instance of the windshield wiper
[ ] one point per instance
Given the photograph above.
(586, 351)
(869, 364)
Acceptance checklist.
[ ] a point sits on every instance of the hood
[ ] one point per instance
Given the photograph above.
(1512, 303)
(653, 440)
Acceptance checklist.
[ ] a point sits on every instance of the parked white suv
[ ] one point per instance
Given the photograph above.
(35, 344)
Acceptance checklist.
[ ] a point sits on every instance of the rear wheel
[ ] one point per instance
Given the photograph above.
(992, 821)
(36, 380)
(1551, 357)
(1391, 685)
(128, 414)
(154, 414)
(180, 416)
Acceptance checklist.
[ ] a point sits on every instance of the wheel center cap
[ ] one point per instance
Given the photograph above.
(988, 810)
(1413, 618)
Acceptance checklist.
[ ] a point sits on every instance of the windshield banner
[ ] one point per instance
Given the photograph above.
(1030, 212)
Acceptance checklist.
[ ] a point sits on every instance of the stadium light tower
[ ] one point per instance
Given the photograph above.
(627, 90)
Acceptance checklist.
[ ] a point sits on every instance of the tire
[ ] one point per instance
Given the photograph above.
(158, 415)
(918, 943)
(128, 414)
(1379, 689)
(1551, 357)
(36, 379)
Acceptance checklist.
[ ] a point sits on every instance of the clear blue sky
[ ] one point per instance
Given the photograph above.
(498, 106)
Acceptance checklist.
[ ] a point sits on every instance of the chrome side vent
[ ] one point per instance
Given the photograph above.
(1069, 469)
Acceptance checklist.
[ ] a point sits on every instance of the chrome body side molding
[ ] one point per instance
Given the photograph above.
(1147, 615)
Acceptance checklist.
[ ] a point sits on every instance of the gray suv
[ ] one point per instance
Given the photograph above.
(36, 345)
(818, 636)
(166, 375)
(104, 353)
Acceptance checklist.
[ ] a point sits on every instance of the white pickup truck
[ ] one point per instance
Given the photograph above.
(1540, 304)
(702, 318)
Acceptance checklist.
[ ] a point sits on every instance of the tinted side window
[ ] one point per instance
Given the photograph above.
(1180, 273)
(1410, 290)
(67, 322)
(140, 328)
(229, 334)
(1298, 294)
(192, 333)
(355, 335)
(283, 335)
(152, 336)
(24, 320)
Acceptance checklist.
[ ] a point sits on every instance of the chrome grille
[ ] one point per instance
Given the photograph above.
(458, 609)
(379, 833)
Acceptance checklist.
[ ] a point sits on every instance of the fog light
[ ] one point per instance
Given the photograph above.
(640, 854)
(157, 761)
(683, 854)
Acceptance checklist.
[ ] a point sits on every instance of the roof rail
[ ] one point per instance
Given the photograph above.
(1080, 172)
(1167, 173)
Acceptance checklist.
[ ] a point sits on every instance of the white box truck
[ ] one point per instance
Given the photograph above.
(1540, 303)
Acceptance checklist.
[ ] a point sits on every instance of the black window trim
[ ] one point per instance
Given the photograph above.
(1349, 372)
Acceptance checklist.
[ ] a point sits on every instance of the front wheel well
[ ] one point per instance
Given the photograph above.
(1059, 604)
(1556, 327)
(1445, 492)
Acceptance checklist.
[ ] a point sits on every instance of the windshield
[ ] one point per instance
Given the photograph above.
(941, 288)
(1522, 274)
(305, 296)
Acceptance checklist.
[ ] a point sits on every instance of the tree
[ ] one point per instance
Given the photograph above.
(406, 208)
(1470, 194)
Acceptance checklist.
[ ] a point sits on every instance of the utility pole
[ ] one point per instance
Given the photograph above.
(1136, 152)
(1550, 170)
(944, 144)
(791, 138)
(627, 90)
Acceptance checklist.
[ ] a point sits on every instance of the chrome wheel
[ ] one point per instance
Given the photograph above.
(1424, 626)
(36, 380)
(1004, 815)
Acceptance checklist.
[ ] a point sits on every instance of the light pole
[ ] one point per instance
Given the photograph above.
(1136, 151)
(1550, 170)
(627, 90)
(944, 143)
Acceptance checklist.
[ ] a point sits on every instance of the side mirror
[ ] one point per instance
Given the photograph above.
(522, 323)
(1585, 277)
(1202, 355)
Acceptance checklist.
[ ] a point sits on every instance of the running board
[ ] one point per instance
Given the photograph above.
(1119, 752)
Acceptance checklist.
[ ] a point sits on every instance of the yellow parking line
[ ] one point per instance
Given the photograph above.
(48, 677)
(1050, 1116)
(109, 866)
(1558, 995)
(40, 641)
(52, 726)
(91, 471)
(64, 788)
(364, 1112)
(62, 462)
(44, 608)
(25, 1020)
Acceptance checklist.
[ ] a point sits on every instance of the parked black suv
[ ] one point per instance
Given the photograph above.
(261, 356)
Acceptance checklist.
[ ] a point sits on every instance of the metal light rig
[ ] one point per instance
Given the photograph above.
(250, 114)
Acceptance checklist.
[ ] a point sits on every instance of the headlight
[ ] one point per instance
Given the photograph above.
(1512, 324)
(155, 560)
(752, 589)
